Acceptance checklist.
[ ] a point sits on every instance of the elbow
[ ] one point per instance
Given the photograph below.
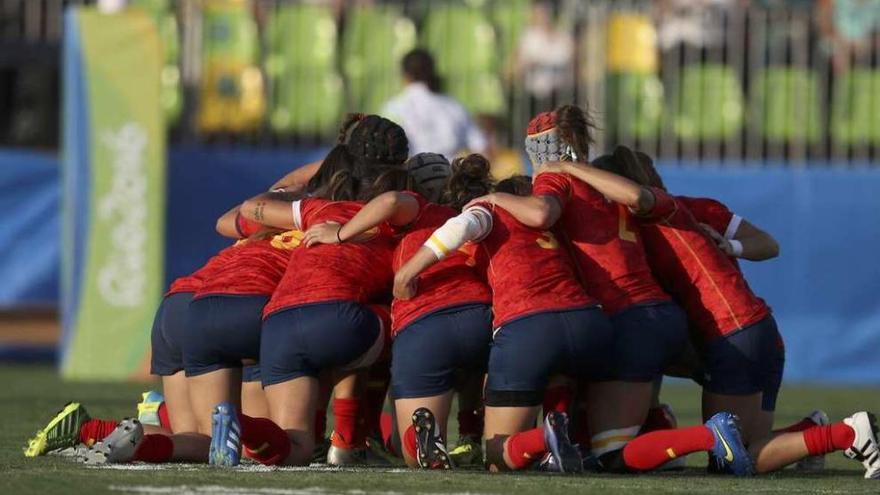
(247, 208)
(542, 219)
(772, 248)
(641, 201)
(226, 228)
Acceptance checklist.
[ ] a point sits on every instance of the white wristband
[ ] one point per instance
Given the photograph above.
(737, 247)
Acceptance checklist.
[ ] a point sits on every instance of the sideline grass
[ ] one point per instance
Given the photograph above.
(30, 395)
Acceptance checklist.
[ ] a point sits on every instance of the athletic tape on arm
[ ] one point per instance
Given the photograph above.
(473, 224)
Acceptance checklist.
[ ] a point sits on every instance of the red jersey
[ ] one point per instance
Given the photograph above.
(357, 270)
(528, 271)
(714, 214)
(605, 242)
(451, 282)
(254, 266)
(703, 280)
(193, 282)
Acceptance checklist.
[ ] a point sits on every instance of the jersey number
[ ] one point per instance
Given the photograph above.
(287, 240)
(622, 228)
(547, 240)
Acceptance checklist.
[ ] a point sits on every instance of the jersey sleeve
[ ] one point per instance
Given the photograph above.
(664, 205)
(714, 214)
(556, 185)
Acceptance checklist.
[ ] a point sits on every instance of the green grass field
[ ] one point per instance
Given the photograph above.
(30, 395)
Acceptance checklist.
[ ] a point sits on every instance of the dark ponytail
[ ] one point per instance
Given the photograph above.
(470, 179)
(338, 178)
(576, 129)
(627, 163)
(348, 125)
(387, 179)
(418, 66)
(518, 185)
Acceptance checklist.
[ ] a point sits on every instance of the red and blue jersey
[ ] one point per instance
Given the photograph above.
(453, 281)
(703, 280)
(528, 270)
(358, 270)
(606, 244)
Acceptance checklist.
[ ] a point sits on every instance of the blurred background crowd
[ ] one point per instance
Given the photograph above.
(704, 79)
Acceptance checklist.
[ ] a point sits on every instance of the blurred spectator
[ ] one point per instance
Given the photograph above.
(848, 28)
(693, 23)
(544, 59)
(433, 121)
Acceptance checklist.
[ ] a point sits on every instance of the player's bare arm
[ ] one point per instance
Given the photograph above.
(295, 180)
(616, 188)
(268, 210)
(393, 207)
(539, 212)
(226, 224)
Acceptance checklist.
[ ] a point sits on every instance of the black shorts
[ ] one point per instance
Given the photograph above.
(428, 352)
(747, 361)
(305, 340)
(224, 331)
(526, 352)
(169, 328)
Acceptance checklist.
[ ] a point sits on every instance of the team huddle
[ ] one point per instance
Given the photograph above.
(372, 276)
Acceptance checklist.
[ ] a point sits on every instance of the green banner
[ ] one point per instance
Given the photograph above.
(117, 244)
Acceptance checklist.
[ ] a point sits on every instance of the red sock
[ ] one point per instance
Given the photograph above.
(799, 426)
(386, 426)
(654, 449)
(265, 441)
(409, 443)
(164, 421)
(346, 434)
(320, 425)
(526, 447)
(154, 449)
(374, 398)
(95, 430)
(557, 398)
(470, 424)
(659, 418)
(824, 439)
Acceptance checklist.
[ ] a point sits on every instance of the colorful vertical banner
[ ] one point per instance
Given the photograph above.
(113, 193)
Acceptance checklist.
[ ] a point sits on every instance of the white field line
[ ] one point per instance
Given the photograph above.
(229, 490)
(248, 468)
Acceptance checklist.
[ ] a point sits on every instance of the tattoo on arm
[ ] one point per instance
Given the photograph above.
(258, 211)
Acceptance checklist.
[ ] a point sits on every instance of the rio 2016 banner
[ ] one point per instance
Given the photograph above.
(113, 206)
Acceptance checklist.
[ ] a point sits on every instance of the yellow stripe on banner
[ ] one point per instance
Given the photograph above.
(436, 240)
(671, 453)
(598, 444)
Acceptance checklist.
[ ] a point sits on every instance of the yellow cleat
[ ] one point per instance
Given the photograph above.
(61, 432)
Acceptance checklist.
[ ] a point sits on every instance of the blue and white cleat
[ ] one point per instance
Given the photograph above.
(567, 457)
(225, 436)
(729, 452)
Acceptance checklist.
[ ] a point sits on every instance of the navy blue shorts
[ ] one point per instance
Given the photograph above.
(748, 361)
(647, 337)
(251, 373)
(224, 331)
(305, 340)
(526, 352)
(169, 329)
(428, 352)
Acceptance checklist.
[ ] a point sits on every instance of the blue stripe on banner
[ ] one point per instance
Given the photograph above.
(76, 175)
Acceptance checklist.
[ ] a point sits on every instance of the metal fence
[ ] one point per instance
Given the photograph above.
(710, 81)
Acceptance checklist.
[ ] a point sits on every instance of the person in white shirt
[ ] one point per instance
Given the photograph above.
(433, 121)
